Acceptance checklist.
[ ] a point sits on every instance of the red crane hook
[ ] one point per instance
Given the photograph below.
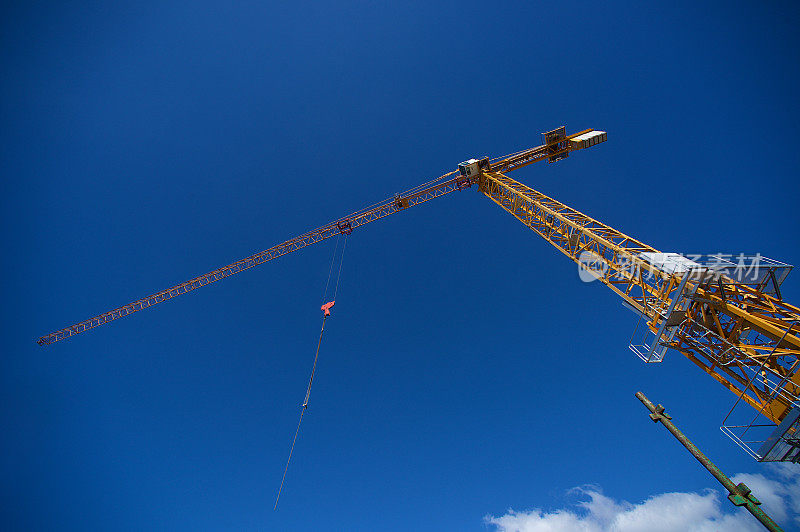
(326, 308)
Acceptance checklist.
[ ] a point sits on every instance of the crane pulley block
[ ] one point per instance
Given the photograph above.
(345, 227)
(400, 202)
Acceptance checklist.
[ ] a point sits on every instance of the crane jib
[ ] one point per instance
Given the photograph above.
(428, 191)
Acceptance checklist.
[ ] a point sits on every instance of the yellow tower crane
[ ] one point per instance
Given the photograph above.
(725, 313)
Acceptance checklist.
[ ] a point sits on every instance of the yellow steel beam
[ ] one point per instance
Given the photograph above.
(748, 331)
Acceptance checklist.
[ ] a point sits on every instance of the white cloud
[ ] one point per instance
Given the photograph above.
(709, 511)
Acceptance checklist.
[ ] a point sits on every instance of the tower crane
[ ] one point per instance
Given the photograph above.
(726, 314)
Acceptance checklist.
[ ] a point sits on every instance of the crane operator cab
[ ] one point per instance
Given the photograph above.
(472, 168)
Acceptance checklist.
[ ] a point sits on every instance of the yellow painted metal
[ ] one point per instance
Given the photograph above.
(559, 148)
(732, 331)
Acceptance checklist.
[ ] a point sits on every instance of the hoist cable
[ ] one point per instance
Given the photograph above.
(316, 358)
(330, 270)
(339, 275)
(302, 412)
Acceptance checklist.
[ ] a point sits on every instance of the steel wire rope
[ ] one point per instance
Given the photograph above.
(330, 270)
(316, 358)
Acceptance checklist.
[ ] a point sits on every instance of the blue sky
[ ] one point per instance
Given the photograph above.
(466, 369)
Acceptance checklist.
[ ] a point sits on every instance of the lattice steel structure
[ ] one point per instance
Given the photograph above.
(445, 185)
(737, 329)
(727, 328)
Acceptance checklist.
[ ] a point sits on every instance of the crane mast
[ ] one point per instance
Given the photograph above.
(731, 327)
(735, 327)
(726, 327)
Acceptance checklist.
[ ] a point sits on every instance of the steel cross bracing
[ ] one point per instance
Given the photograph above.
(747, 340)
(732, 331)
